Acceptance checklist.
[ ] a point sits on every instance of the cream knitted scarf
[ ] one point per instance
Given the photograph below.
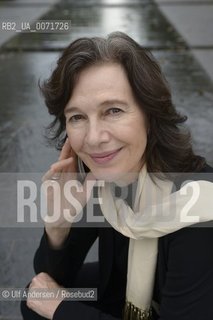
(156, 212)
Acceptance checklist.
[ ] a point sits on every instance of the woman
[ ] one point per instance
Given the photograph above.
(111, 100)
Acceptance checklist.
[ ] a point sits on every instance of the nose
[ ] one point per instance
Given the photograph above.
(96, 134)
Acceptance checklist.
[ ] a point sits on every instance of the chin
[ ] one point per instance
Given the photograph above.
(118, 177)
(107, 175)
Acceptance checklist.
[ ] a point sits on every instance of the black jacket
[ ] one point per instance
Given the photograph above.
(183, 287)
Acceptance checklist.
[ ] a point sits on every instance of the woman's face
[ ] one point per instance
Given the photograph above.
(104, 124)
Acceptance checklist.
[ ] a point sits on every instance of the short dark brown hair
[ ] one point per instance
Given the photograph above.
(169, 146)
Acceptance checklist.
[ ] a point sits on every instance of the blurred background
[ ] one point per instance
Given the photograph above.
(179, 34)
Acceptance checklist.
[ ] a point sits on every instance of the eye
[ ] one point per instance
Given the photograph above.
(76, 118)
(114, 111)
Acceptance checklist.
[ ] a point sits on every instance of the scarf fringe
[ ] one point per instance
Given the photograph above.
(133, 313)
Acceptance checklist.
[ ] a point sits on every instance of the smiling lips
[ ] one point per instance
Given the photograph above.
(102, 158)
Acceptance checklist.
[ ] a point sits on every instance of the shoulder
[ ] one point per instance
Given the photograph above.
(206, 173)
(185, 261)
(207, 168)
(184, 285)
(198, 233)
(189, 247)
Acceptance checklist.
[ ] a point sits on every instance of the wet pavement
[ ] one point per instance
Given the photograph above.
(27, 58)
(16, 11)
(194, 21)
(141, 21)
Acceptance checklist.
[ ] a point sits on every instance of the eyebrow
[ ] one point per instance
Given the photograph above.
(104, 103)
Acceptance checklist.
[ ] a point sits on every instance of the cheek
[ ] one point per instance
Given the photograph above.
(143, 140)
(143, 146)
(76, 139)
(140, 138)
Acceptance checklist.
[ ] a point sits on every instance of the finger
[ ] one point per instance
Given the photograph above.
(33, 282)
(57, 167)
(62, 165)
(66, 151)
(43, 275)
(71, 167)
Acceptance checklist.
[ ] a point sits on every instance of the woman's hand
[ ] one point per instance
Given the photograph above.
(45, 284)
(63, 186)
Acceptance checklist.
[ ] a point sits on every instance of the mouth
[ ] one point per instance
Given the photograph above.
(104, 157)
